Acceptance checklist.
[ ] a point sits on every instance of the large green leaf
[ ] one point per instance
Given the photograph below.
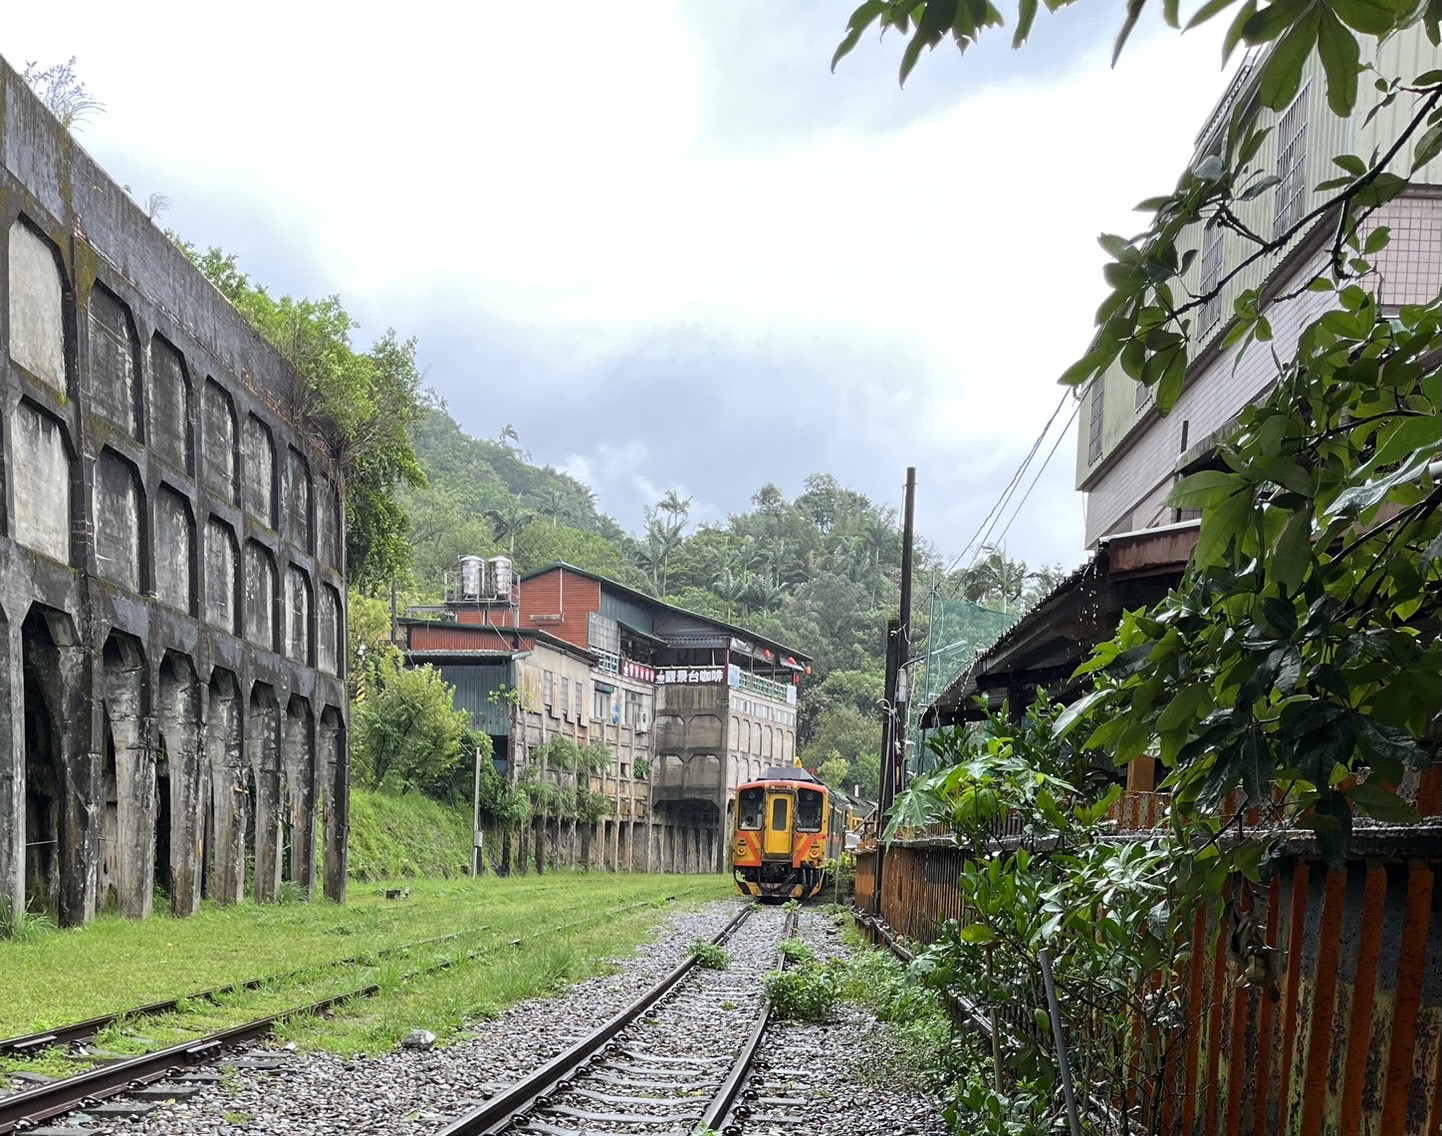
(1341, 60)
(1207, 488)
(1282, 71)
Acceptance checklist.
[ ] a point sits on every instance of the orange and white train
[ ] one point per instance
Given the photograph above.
(788, 835)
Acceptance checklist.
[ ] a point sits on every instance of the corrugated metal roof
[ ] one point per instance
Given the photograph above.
(659, 605)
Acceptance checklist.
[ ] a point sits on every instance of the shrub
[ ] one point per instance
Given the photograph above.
(805, 993)
(797, 951)
(710, 956)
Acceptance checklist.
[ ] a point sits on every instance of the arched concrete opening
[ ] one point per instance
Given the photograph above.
(128, 796)
(262, 756)
(298, 745)
(61, 842)
(178, 784)
(228, 808)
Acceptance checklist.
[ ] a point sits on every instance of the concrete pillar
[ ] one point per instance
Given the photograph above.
(62, 776)
(334, 769)
(262, 755)
(298, 749)
(229, 804)
(178, 718)
(124, 686)
(12, 768)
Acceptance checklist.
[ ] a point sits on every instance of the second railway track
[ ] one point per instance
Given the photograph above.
(23, 1111)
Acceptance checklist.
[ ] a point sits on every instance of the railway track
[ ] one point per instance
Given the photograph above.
(24, 1111)
(30, 1044)
(673, 1062)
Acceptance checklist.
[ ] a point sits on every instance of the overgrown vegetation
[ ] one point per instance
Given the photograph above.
(1296, 664)
(803, 993)
(711, 956)
(409, 735)
(568, 926)
(407, 836)
(359, 407)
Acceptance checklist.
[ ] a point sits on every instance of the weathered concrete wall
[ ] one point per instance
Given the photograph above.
(172, 702)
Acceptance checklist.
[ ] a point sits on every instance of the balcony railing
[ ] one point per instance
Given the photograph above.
(765, 687)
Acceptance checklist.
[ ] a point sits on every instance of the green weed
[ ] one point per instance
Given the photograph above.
(797, 951)
(710, 956)
(21, 926)
(804, 993)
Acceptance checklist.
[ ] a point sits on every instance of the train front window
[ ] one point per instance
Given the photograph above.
(778, 814)
(751, 809)
(809, 808)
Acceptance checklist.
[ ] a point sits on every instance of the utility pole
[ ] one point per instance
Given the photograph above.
(893, 726)
(902, 693)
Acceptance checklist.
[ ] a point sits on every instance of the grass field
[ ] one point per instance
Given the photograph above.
(517, 927)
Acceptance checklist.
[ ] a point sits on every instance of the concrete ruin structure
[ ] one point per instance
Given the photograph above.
(173, 711)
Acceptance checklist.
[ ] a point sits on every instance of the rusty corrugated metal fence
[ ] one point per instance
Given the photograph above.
(1349, 1041)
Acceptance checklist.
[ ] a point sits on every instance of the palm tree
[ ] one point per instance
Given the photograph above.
(730, 588)
(878, 534)
(554, 504)
(677, 506)
(507, 523)
(661, 541)
(995, 577)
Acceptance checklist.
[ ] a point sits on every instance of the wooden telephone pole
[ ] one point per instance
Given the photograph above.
(893, 723)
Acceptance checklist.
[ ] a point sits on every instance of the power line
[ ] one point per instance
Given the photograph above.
(1039, 472)
(1006, 494)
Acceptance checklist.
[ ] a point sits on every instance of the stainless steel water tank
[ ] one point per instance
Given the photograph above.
(473, 576)
(501, 574)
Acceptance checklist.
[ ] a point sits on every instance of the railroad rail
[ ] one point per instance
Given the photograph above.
(29, 1044)
(534, 1102)
(24, 1110)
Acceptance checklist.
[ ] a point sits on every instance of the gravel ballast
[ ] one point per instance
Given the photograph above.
(414, 1091)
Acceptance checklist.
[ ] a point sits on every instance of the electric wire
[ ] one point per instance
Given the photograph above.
(993, 515)
(1046, 462)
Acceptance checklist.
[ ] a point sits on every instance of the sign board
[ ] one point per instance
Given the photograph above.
(640, 671)
(678, 676)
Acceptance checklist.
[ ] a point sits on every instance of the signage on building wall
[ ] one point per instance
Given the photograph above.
(677, 676)
(639, 671)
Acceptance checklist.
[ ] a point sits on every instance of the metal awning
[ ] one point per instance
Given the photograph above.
(1043, 650)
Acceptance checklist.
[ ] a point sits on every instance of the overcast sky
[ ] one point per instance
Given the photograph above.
(661, 239)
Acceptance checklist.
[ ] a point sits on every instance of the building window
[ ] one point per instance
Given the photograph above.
(1214, 243)
(1291, 166)
(625, 770)
(565, 697)
(600, 705)
(633, 708)
(548, 691)
(1097, 408)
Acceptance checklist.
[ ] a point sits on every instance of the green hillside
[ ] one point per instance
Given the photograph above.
(820, 572)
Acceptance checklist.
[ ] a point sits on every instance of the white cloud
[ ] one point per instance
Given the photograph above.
(550, 172)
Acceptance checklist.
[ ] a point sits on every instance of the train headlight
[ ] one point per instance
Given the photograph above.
(815, 852)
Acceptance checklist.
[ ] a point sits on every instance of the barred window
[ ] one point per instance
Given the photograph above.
(1291, 166)
(1098, 405)
(1214, 244)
